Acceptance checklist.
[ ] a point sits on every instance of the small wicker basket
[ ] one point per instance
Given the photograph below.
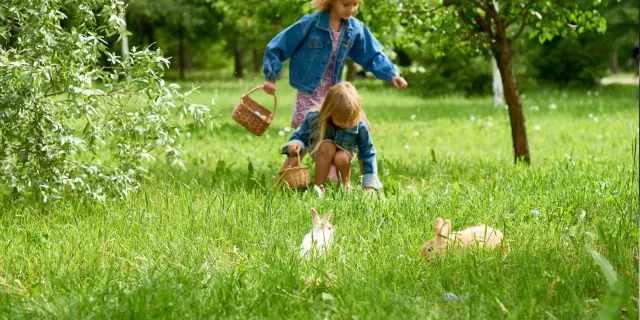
(252, 115)
(295, 177)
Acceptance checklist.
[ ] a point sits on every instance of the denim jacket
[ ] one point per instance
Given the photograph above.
(354, 138)
(308, 43)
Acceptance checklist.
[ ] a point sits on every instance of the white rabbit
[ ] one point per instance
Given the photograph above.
(320, 236)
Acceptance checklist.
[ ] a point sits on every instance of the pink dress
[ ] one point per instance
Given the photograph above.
(305, 102)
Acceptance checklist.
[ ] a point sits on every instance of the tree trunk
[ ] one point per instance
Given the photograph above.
(351, 70)
(239, 66)
(257, 61)
(149, 33)
(615, 65)
(498, 89)
(516, 115)
(125, 40)
(181, 50)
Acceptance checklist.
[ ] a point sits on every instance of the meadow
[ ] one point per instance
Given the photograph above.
(219, 241)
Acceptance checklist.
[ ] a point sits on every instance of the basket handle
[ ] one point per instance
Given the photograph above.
(287, 169)
(275, 101)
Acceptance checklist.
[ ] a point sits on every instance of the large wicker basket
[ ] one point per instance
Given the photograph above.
(295, 177)
(252, 115)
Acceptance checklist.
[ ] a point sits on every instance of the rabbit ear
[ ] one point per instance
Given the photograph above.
(438, 226)
(316, 218)
(446, 228)
(326, 216)
(442, 234)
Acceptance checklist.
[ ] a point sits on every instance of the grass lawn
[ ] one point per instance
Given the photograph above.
(217, 241)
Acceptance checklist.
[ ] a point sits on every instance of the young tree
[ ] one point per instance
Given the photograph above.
(490, 27)
(68, 124)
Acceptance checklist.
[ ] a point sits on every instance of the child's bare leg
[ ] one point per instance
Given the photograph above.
(342, 162)
(326, 151)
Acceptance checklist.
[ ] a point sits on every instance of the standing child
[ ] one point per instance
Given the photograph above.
(318, 46)
(333, 134)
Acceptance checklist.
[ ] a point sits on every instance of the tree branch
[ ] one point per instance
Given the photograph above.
(523, 25)
(523, 13)
(507, 9)
(422, 10)
(52, 94)
(480, 5)
(495, 16)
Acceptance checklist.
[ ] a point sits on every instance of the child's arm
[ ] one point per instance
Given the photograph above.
(299, 137)
(367, 153)
(367, 52)
(283, 45)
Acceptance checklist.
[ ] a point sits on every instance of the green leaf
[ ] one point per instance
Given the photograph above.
(603, 263)
(615, 299)
(534, 33)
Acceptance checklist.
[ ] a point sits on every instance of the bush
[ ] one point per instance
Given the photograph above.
(570, 61)
(69, 124)
(450, 74)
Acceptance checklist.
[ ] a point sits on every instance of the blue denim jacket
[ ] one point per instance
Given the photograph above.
(355, 138)
(308, 43)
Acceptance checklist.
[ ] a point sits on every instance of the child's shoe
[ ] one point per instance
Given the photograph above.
(319, 190)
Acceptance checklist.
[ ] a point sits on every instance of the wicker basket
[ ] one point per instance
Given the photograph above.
(295, 177)
(252, 115)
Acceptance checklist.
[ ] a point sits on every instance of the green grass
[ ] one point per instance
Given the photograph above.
(219, 241)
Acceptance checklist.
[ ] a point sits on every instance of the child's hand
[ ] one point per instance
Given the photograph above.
(293, 149)
(269, 87)
(398, 82)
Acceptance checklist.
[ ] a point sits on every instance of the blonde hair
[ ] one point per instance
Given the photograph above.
(342, 103)
(321, 5)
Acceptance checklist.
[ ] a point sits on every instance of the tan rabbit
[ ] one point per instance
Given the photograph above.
(476, 237)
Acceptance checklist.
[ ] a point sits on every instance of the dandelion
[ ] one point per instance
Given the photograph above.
(536, 128)
(523, 96)
(287, 129)
(583, 214)
(406, 146)
(565, 95)
(472, 118)
(489, 124)
(281, 133)
(600, 136)
(416, 133)
(213, 101)
(590, 115)
(413, 117)
(534, 108)
(553, 106)
(597, 93)
(589, 92)
(595, 119)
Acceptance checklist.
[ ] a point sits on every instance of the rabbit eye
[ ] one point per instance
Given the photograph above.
(429, 249)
